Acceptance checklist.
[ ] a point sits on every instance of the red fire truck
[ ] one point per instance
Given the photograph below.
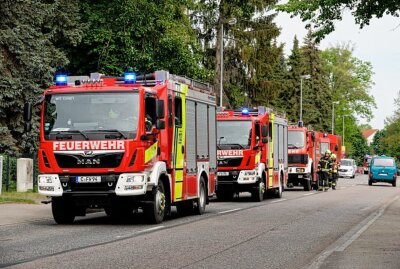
(252, 153)
(304, 154)
(336, 146)
(127, 144)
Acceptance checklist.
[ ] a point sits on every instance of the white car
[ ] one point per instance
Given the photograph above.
(347, 168)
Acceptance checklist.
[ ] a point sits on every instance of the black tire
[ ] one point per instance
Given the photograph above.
(279, 191)
(394, 183)
(63, 210)
(202, 200)
(257, 195)
(370, 182)
(224, 195)
(307, 185)
(154, 211)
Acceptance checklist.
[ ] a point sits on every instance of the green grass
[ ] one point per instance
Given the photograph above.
(21, 197)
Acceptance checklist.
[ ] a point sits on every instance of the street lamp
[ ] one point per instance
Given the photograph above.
(231, 21)
(301, 97)
(333, 115)
(343, 127)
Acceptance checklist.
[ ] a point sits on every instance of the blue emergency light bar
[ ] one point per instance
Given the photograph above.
(245, 111)
(130, 77)
(61, 80)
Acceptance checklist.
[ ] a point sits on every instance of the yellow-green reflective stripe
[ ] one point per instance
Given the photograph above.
(151, 152)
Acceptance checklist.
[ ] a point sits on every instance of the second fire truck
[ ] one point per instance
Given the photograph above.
(252, 153)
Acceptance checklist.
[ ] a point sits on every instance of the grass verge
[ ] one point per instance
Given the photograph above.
(21, 197)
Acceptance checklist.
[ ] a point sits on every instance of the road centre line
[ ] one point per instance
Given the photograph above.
(228, 211)
(277, 201)
(307, 194)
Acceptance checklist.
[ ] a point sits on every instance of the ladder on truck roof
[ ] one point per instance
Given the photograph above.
(150, 80)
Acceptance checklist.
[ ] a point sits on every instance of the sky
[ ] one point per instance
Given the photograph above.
(378, 43)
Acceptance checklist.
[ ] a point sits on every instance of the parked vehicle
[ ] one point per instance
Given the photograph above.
(252, 153)
(304, 154)
(145, 142)
(347, 168)
(383, 169)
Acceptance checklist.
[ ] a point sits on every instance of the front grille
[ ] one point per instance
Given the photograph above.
(108, 183)
(229, 162)
(106, 160)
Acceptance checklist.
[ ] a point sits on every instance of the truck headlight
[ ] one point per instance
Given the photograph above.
(249, 173)
(300, 170)
(134, 179)
(45, 179)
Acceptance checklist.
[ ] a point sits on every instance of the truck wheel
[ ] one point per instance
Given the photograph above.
(155, 210)
(394, 183)
(278, 192)
(307, 185)
(63, 210)
(258, 193)
(202, 200)
(224, 195)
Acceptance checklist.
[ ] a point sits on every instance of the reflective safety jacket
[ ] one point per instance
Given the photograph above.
(325, 164)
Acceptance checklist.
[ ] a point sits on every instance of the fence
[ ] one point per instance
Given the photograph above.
(9, 172)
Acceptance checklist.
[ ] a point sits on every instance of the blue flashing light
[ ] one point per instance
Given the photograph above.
(245, 111)
(130, 77)
(61, 80)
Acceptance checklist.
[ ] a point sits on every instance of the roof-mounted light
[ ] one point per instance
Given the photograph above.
(61, 80)
(130, 77)
(245, 111)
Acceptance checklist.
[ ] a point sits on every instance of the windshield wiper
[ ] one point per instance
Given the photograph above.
(109, 131)
(292, 146)
(233, 144)
(72, 132)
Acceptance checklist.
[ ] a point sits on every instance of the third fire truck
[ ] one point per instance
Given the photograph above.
(252, 153)
(127, 144)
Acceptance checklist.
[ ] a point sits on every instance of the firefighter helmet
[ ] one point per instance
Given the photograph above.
(328, 151)
(333, 156)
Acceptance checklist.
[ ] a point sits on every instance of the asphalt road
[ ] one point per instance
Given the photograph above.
(297, 231)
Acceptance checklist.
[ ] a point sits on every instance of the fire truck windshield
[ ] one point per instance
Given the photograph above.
(234, 134)
(296, 139)
(87, 116)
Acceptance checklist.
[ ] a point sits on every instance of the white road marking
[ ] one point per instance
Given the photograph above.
(228, 211)
(280, 200)
(311, 193)
(343, 242)
(152, 229)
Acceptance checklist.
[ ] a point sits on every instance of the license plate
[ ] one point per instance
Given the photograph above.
(223, 173)
(88, 179)
(382, 174)
(300, 176)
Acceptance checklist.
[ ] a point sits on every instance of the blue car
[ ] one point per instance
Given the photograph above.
(383, 169)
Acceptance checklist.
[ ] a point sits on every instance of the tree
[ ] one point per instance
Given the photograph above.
(139, 34)
(321, 15)
(377, 145)
(317, 97)
(30, 34)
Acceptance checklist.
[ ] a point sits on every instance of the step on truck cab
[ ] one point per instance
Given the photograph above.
(127, 144)
(304, 154)
(252, 153)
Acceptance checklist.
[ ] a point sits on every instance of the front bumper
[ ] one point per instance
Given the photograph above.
(238, 177)
(127, 184)
(346, 173)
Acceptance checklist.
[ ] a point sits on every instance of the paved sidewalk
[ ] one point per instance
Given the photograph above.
(19, 213)
(377, 247)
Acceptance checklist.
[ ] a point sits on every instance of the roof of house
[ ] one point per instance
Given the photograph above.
(368, 132)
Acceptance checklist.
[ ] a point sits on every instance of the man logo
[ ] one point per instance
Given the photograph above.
(88, 153)
(88, 161)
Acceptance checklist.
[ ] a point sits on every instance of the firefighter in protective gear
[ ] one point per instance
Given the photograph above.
(324, 170)
(334, 174)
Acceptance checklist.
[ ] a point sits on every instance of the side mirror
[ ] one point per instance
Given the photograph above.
(265, 140)
(313, 136)
(27, 112)
(160, 109)
(264, 131)
(27, 127)
(336, 147)
(160, 124)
